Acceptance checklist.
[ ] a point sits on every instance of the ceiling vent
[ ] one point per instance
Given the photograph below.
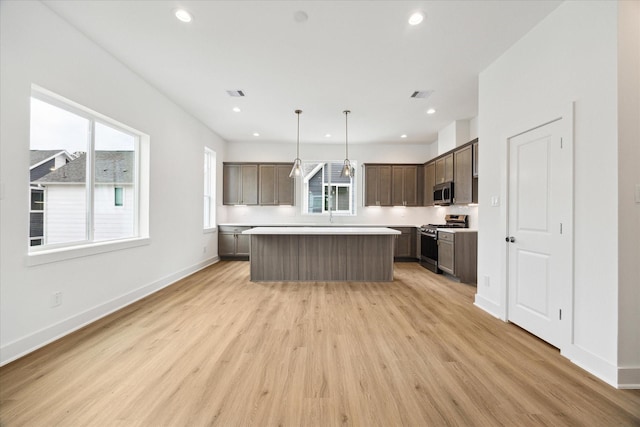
(235, 93)
(421, 94)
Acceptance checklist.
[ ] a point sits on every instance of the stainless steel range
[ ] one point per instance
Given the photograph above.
(429, 240)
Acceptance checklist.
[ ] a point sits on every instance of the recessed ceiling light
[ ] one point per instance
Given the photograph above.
(416, 18)
(431, 111)
(183, 15)
(328, 135)
(236, 109)
(404, 135)
(256, 134)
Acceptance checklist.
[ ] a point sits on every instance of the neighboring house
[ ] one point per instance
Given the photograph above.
(64, 198)
(42, 162)
(319, 178)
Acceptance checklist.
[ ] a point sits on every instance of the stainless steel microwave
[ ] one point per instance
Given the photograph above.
(443, 194)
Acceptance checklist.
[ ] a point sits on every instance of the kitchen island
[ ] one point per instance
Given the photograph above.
(321, 253)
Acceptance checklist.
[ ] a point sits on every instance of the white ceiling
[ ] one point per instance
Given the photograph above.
(357, 55)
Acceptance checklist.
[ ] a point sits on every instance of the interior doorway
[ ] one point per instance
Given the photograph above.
(540, 232)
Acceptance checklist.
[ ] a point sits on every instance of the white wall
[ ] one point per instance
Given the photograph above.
(629, 178)
(571, 56)
(36, 46)
(383, 153)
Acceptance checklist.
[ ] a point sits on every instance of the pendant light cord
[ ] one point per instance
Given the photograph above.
(346, 133)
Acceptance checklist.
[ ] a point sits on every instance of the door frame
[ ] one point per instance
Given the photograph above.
(534, 121)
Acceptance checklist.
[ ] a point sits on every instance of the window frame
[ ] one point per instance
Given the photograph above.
(60, 251)
(352, 186)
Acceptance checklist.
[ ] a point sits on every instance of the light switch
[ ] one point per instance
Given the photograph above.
(495, 201)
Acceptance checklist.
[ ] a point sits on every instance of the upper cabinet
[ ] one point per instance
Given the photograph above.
(377, 185)
(240, 184)
(475, 159)
(257, 183)
(429, 182)
(404, 185)
(276, 188)
(462, 183)
(444, 169)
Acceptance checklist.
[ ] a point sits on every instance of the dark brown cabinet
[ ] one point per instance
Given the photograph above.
(240, 184)
(232, 244)
(463, 179)
(276, 188)
(404, 185)
(444, 169)
(405, 246)
(475, 159)
(377, 185)
(458, 254)
(429, 182)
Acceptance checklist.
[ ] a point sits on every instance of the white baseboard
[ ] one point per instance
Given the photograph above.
(592, 363)
(23, 346)
(490, 307)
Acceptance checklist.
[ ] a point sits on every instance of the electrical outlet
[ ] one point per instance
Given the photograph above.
(487, 282)
(204, 249)
(56, 299)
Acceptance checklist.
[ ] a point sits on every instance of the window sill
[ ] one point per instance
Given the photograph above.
(62, 254)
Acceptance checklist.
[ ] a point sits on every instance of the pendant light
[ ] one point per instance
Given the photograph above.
(347, 170)
(297, 163)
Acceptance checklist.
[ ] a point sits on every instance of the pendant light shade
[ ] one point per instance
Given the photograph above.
(296, 171)
(347, 169)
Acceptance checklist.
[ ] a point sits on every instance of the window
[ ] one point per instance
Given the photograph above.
(325, 191)
(118, 196)
(84, 175)
(209, 188)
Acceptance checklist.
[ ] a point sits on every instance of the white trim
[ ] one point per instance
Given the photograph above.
(69, 252)
(36, 340)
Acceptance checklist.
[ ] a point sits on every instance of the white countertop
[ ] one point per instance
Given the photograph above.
(323, 231)
(313, 224)
(457, 230)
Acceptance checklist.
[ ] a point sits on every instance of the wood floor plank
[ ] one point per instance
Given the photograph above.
(217, 349)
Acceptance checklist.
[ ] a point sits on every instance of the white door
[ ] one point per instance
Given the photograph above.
(539, 240)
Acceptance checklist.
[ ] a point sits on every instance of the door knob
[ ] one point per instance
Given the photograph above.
(510, 239)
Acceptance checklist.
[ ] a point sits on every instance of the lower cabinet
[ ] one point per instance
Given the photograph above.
(458, 254)
(232, 244)
(405, 247)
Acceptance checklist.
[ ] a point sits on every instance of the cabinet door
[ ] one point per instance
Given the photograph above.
(411, 185)
(384, 185)
(475, 160)
(226, 244)
(285, 185)
(249, 185)
(377, 185)
(403, 246)
(462, 190)
(445, 256)
(448, 168)
(267, 195)
(440, 171)
(429, 182)
(397, 186)
(242, 244)
(371, 178)
(231, 184)
(404, 185)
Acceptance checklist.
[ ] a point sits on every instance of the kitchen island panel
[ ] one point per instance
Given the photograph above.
(274, 257)
(370, 258)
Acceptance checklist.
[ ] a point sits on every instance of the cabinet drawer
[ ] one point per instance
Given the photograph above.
(447, 237)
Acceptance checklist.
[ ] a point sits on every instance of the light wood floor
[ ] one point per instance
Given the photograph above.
(216, 349)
